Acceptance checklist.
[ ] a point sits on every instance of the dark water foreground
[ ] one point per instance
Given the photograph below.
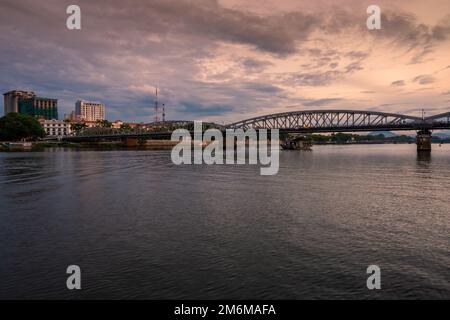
(140, 227)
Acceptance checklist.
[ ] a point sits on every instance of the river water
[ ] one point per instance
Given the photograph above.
(140, 227)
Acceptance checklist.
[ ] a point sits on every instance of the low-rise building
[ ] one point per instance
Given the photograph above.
(90, 124)
(56, 128)
(72, 116)
(87, 124)
(117, 124)
(137, 125)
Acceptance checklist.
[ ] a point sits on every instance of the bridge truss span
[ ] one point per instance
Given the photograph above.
(329, 121)
(439, 121)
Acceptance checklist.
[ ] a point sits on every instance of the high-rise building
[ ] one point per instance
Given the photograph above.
(12, 99)
(90, 111)
(27, 102)
(43, 108)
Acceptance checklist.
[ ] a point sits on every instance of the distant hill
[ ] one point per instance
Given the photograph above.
(386, 134)
(442, 135)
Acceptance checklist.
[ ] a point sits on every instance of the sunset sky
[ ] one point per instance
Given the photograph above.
(227, 60)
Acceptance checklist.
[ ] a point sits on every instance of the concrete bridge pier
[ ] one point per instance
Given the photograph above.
(423, 140)
(130, 142)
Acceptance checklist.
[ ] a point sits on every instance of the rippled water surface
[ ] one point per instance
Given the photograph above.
(141, 227)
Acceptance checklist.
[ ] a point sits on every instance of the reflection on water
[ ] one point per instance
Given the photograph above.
(423, 157)
(141, 227)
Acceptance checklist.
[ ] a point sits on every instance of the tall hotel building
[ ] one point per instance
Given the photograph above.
(27, 102)
(90, 111)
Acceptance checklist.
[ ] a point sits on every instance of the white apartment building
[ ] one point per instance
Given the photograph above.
(56, 128)
(90, 111)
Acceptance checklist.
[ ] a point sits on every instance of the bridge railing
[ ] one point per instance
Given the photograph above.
(97, 131)
(158, 127)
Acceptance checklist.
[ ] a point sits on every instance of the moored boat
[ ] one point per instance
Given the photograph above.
(18, 145)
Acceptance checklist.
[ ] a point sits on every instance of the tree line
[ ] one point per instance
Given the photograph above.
(16, 127)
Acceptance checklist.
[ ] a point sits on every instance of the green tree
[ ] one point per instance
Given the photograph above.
(104, 123)
(16, 126)
(77, 126)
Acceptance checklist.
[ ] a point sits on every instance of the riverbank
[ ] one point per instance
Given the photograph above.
(43, 145)
(152, 145)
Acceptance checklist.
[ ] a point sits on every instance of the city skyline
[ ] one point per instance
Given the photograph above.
(226, 60)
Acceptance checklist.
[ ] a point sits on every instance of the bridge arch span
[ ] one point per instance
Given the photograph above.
(329, 121)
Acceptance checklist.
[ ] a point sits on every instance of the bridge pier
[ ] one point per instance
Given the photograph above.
(130, 142)
(423, 140)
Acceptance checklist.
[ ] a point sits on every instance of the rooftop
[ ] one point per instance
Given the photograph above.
(19, 91)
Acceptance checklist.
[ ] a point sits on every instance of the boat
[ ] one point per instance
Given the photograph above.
(297, 143)
(18, 145)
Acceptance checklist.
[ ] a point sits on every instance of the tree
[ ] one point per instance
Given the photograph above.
(125, 126)
(104, 123)
(77, 126)
(16, 126)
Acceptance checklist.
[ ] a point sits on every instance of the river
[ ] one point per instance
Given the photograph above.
(140, 227)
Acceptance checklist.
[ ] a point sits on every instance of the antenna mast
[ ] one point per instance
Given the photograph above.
(156, 106)
(164, 113)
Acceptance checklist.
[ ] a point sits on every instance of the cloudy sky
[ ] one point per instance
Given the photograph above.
(226, 60)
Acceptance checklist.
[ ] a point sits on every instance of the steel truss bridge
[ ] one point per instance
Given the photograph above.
(342, 121)
(316, 121)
